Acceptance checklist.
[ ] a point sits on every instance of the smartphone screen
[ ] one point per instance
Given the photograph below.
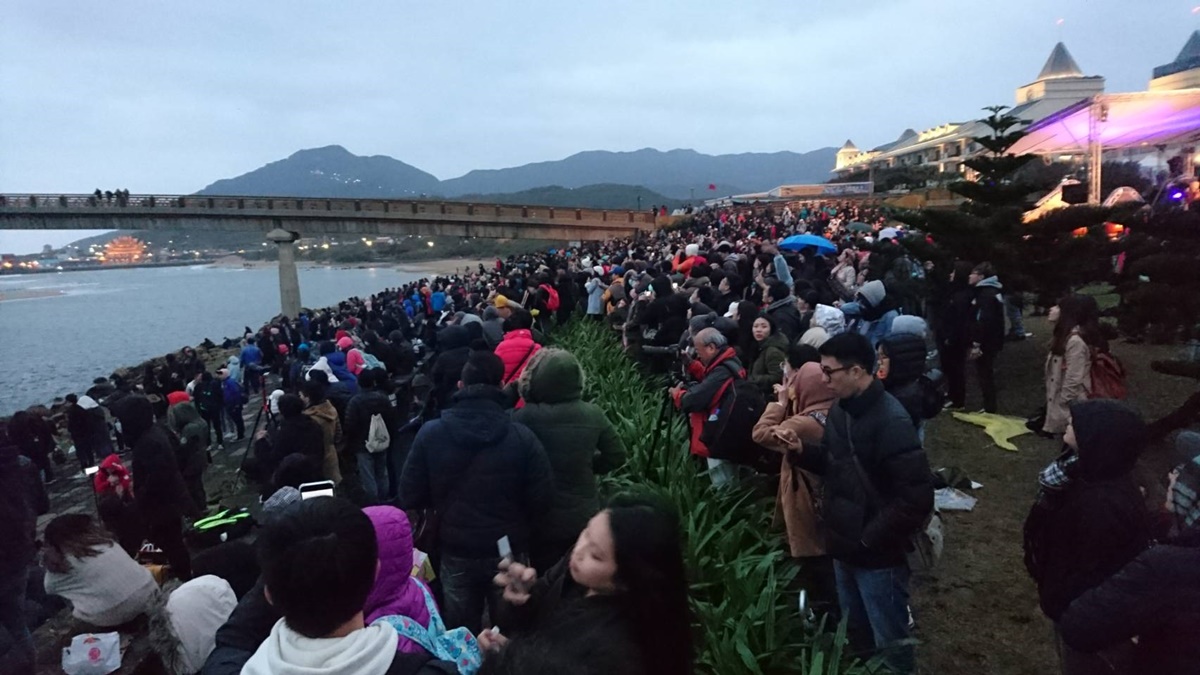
(322, 488)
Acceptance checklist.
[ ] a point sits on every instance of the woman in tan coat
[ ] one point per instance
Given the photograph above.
(321, 411)
(798, 416)
(1076, 320)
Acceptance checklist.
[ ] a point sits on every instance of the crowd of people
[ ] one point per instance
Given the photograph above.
(447, 424)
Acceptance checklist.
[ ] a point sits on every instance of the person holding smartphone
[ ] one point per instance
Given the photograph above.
(623, 586)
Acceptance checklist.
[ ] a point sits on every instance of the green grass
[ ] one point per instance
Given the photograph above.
(746, 620)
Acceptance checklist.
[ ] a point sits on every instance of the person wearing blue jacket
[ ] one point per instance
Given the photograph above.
(251, 358)
(235, 398)
(876, 311)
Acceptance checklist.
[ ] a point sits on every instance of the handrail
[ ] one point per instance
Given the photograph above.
(401, 209)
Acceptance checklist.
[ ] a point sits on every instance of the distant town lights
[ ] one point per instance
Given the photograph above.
(430, 244)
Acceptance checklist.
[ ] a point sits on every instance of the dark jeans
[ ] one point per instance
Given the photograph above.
(19, 657)
(252, 378)
(214, 425)
(874, 604)
(954, 364)
(985, 367)
(373, 474)
(167, 534)
(466, 586)
(239, 420)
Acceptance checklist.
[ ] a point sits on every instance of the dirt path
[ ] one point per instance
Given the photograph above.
(978, 612)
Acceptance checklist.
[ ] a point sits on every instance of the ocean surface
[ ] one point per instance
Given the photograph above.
(104, 320)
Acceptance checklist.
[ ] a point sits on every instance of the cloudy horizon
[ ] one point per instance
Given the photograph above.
(170, 98)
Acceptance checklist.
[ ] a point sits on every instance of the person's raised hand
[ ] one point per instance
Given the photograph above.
(491, 641)
(517, 580)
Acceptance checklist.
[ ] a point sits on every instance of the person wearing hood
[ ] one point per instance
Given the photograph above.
(454, 345)
(665, 314)
(1089, 519)
(320, 560)
(766, 370)
(781, 307)
(1152, 598)
(493, 326)
(579, 441)
(876, 312)
(595, 288)
(234, 400)
(518, 345)
(340, 370)
(487, 476)
(185, 421)
(900, 363)
(88, 429)
(234, 366)
(33, 435)
(160, 493)
(799, 412)
(318, 408)
(987, 329)
(113, 485)
(396, 591)
(370, 401)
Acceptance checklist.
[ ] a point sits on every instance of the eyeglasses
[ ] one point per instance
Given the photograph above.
(828, 372)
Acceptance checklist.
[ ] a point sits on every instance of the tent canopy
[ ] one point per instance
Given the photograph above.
(1136, 120)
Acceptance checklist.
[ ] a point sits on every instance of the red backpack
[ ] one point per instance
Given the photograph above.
(1108, 376)
(552, 302)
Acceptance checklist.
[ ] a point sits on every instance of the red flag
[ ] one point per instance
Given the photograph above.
(712, 186)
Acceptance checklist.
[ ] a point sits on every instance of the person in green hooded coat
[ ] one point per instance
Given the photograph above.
(579, 441)
(185, 420)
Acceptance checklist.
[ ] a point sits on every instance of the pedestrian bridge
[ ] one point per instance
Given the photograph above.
(308, 217)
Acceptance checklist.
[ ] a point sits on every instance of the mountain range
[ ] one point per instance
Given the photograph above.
(333, 171)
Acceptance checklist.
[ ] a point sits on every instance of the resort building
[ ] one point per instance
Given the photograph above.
(943, 148)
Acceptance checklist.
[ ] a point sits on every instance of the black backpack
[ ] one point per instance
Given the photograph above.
(727, 430)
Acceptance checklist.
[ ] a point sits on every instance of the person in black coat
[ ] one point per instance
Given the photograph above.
(22, 499)
(878, 494)
(954, 333)
(32, 434)
(373, 467)
(1156, 597)
(160, 494)
(453, 349)
(1089, 519)
(987, 329)
(487, 477)
(901, 363)
(297, 434)
(781, 307)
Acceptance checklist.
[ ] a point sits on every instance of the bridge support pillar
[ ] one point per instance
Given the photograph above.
(289, 279)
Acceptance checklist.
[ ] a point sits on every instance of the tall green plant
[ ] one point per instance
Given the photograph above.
(745, 619)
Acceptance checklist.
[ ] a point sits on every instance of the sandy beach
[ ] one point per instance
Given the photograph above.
(431, 267)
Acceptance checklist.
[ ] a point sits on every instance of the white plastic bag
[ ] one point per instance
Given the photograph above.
(92, 654)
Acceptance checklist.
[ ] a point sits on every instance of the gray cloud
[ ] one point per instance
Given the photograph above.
(168, 97)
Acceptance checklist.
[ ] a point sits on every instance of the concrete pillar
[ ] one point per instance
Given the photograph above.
(289, 279)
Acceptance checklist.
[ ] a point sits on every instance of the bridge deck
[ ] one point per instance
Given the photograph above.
(310, 216)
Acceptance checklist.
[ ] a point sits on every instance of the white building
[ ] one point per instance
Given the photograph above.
(1061, 83)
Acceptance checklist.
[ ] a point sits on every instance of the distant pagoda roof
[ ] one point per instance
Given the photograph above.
(849, 145)
(1188, 58)
(1059, 65)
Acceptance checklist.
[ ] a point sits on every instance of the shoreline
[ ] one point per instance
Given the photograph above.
(429, 268)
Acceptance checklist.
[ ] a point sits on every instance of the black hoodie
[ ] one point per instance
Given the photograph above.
(1078, 536)
(486, 475)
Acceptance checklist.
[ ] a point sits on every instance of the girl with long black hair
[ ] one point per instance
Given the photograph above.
(1076, 320)
(623, 586)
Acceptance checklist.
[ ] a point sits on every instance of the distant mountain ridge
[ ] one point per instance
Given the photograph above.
(333, 171)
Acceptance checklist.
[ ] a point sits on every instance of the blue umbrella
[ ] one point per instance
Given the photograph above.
(799, 241)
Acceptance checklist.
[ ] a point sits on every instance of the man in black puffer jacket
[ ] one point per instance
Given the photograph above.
(160, 493)
(487, 476)
(454, 345)
(878, 493)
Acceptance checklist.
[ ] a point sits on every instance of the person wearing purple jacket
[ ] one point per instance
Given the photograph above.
(396, 592)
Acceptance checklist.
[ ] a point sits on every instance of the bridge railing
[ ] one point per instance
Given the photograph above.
(376, 208)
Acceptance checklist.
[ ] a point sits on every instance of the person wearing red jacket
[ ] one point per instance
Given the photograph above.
(717, 364)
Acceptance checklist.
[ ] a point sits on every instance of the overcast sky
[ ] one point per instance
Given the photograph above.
(168, 97)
